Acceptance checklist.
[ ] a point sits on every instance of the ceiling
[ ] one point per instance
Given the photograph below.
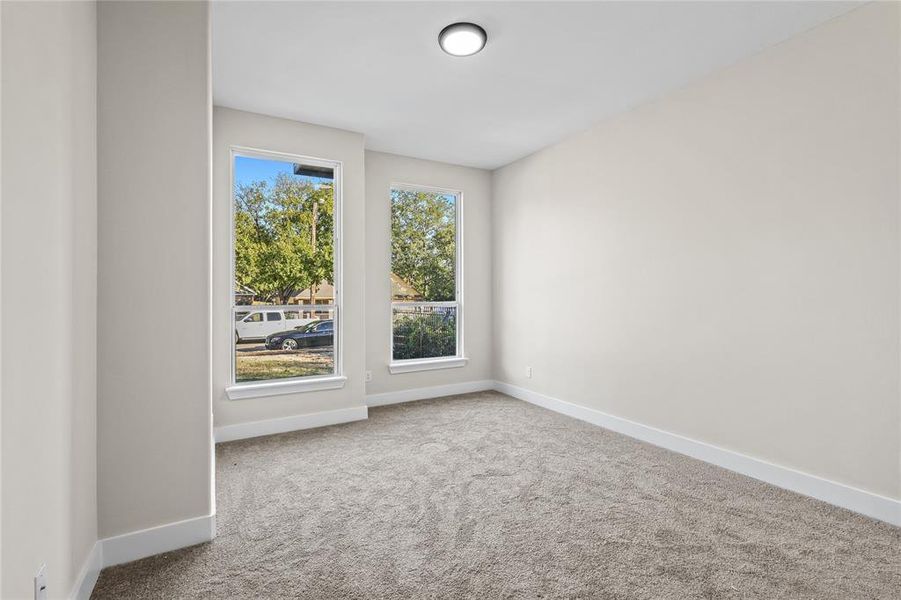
(550, 68)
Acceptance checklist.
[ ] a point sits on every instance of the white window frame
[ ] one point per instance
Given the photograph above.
(443, 362)
(289, 385)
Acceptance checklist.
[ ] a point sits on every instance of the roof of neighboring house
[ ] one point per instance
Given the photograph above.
(326, 291)
(402, 289)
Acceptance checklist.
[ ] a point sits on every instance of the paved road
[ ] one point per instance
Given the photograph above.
(250, 347)
(254, 347)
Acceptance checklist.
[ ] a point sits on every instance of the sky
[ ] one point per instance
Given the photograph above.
(249, 169)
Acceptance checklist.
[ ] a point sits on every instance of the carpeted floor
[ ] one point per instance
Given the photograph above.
(482, 496)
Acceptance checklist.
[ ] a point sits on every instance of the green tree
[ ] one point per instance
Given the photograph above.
(283, 236)
(423, 242)
(424, 335)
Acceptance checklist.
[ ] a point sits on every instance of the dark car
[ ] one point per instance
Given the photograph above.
(317, 333)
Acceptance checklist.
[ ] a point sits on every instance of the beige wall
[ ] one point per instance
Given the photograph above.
(238, 128)
(381, 171)
(723, 263)
(154, 408)
(49, 212)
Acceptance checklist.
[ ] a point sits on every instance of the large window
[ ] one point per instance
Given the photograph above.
(286, 306)
(426, 305)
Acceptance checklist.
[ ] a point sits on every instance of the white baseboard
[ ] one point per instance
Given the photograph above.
(428, 392)
(857, 500)
(90, 571)
(240, 431)
(156, 540)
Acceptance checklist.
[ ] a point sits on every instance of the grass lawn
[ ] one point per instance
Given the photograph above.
(255, 363)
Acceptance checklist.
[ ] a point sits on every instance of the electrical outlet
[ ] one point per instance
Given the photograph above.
(368, 375)
(40, 584)
(529, 372)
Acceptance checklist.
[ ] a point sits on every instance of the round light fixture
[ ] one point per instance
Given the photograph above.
(462, 39)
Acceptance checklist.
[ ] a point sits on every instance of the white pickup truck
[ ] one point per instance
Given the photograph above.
(257, 324)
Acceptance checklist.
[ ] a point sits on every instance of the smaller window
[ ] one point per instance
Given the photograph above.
(425, 257)
(273, 316)
(292, 314)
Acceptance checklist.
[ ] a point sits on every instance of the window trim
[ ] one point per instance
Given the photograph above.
(289, 385)
(277, 387)
(410, 365)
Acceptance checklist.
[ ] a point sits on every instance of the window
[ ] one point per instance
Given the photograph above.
(286, 260)
(426, 305)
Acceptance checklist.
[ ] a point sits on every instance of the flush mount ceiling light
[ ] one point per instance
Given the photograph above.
(462, 39)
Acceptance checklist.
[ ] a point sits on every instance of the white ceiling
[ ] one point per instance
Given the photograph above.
(549, 69)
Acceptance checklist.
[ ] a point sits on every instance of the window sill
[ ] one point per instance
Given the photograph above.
(428, 364)
(278, 388)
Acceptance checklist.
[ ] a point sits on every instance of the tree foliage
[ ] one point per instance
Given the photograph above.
(424, 335)
(423, 242)
(275, 228)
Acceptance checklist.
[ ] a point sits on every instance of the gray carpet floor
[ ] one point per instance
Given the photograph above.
(484, 496)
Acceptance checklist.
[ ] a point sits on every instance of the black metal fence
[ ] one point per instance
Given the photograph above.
(423, 331)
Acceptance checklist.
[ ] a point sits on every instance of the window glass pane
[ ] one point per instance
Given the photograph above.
(302, 351)
(423, 272)
(424, 331)
(284, 254)
(423, 246)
